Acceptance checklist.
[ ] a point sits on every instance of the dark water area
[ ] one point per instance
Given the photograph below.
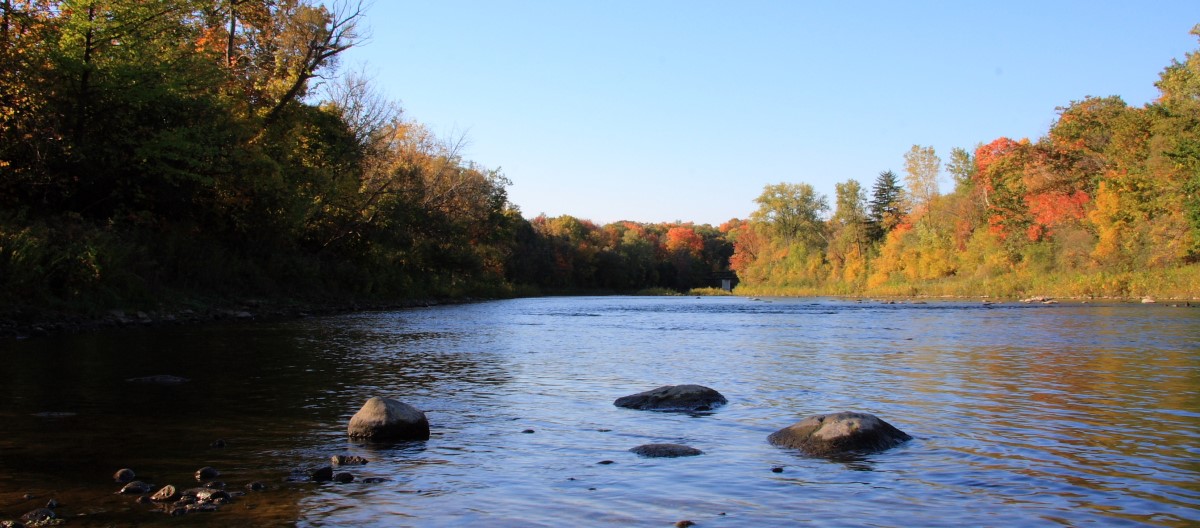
(1068, 414)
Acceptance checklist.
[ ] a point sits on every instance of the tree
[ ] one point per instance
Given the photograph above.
(848, 232)
(886, 207)
(792, 212)
(962, 168)
(921, 168)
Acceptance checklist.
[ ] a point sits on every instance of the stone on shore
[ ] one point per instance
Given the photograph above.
(826, 435)
(665, 451)
(388, 419)
(685, 398)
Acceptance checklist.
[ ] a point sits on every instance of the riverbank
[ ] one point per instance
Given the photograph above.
(1176, 284)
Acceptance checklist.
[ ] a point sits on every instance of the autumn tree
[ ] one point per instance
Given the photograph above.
(921, 169)
(848, 233)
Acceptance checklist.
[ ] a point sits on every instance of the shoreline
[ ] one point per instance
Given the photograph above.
(30, 324)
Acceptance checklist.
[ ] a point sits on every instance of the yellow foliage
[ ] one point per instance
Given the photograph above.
(1106, 219)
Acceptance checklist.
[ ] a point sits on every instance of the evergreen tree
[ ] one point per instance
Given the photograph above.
(886, 207)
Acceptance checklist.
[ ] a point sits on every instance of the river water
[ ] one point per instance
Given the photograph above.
(1067, 414)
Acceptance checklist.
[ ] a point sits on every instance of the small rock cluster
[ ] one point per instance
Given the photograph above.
(388, 420)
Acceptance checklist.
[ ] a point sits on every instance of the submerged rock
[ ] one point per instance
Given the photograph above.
(39, 516)
(159, 379)
(665, 450)
(826, 435)
(347, 460)
(388, 419)
(324, 474)
(123, 475)
(686, 398)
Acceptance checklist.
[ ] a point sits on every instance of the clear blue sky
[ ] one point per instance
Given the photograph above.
(664, 110)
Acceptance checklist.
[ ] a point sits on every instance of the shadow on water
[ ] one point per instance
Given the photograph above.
(277, 396)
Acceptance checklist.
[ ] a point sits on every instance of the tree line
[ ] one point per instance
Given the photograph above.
(161, 150)
(1107, 203)
(169, 149)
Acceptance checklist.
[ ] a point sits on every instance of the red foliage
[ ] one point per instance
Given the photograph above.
(1052, 209)
(988, 154)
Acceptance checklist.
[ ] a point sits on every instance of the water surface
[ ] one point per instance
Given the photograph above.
(1065, 414)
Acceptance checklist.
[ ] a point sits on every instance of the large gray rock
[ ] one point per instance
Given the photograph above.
(687, 398)
(825, 435)
(388, 419)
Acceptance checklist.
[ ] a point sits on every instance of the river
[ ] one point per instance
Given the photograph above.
(1066, 414)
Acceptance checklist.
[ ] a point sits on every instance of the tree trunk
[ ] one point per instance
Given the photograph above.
(81, 102)
(232, 29)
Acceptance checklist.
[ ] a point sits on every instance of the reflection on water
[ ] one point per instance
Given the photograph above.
(1063, 414)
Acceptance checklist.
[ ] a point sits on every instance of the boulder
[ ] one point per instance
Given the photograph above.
(388, 419)
(686, 398)
(665, 451)
(826, 435)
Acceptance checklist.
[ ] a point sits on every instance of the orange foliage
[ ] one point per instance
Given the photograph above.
(1052, 209)
(988, 154)
(683, 239)
(745, 250)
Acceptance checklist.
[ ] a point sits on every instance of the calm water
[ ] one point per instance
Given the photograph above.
(1022, 414)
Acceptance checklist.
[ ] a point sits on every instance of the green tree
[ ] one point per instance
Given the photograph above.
(962, 168)
(886, 208)
(792, 212)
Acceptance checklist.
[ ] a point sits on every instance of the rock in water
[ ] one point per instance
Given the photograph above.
(136, 487)
(686, 398)
(206, 473)
(123, 475)
(324, 474)
(826, 435)
(347, 460)
(168, 493)
(665, 450)
(388, 419)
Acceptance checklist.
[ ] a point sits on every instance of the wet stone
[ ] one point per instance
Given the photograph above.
(347, 460)
(167, 493)
(136, 487)
(665, 451)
